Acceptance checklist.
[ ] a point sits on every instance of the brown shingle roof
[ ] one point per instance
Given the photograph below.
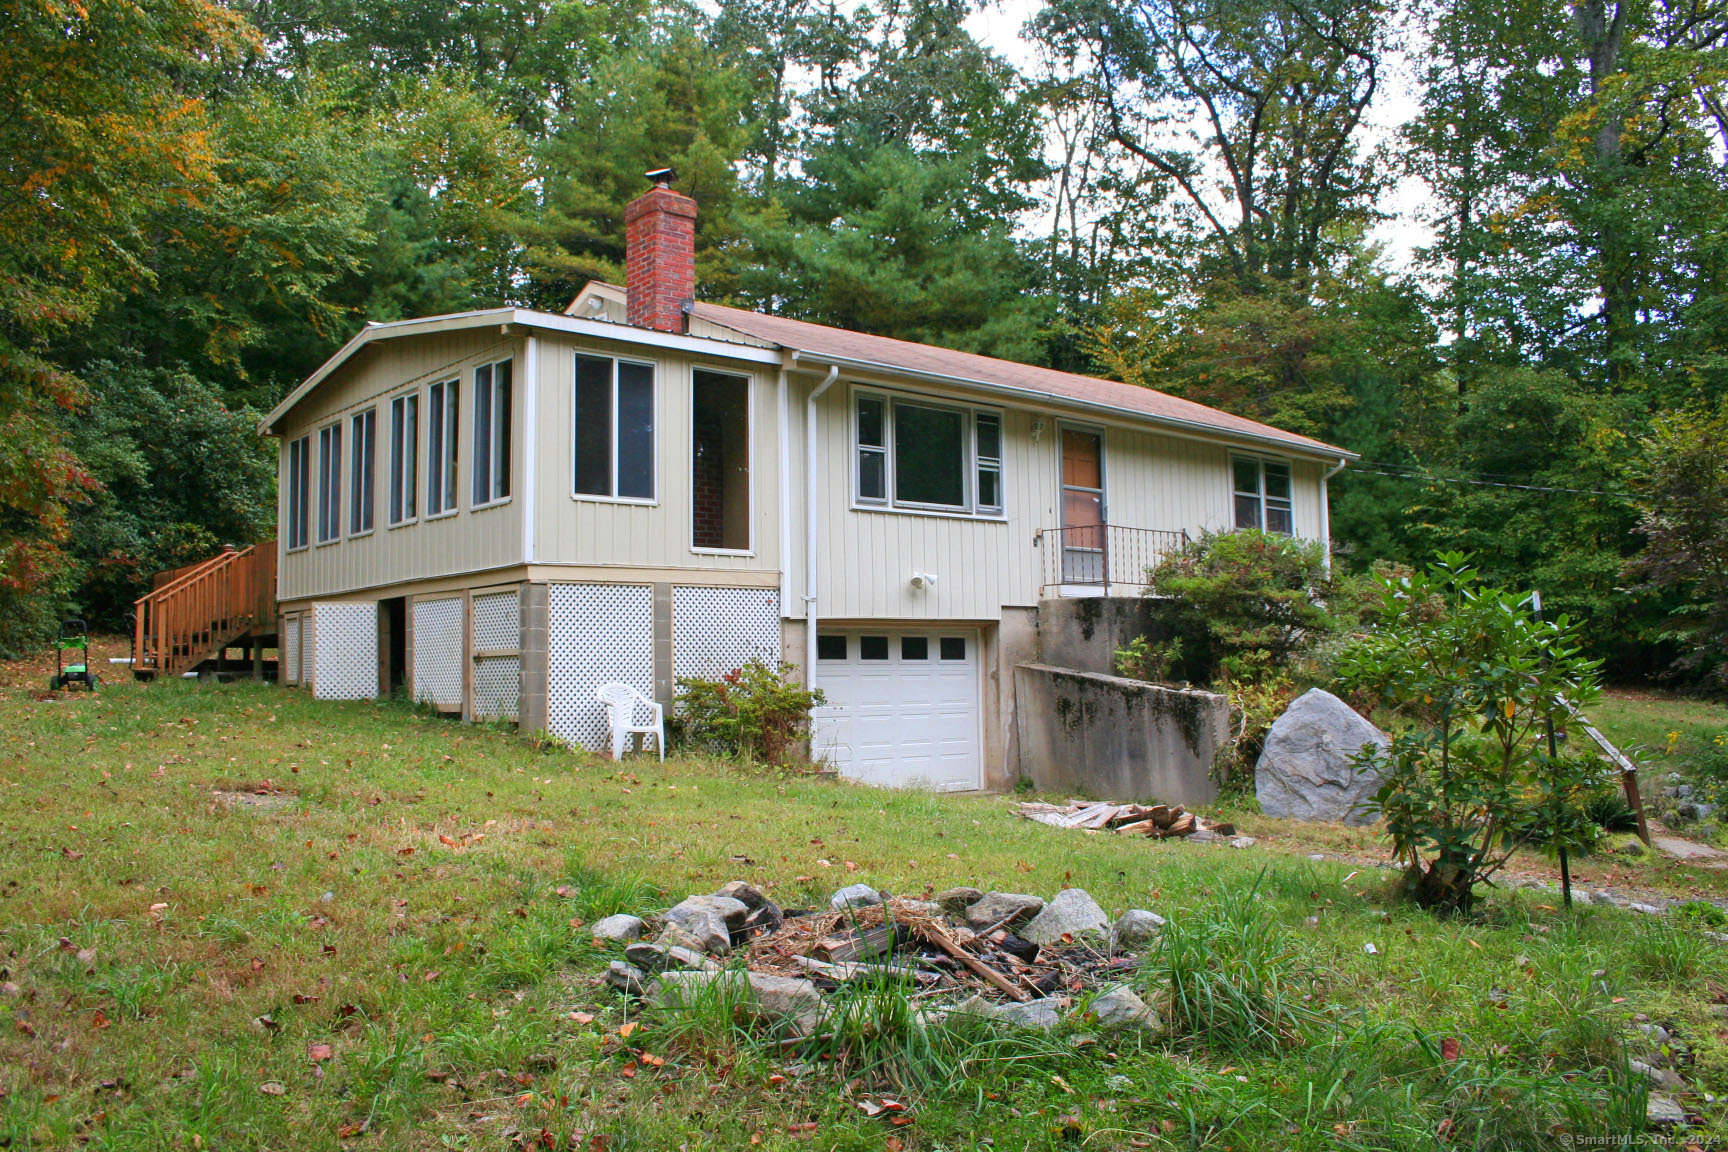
(821, 340)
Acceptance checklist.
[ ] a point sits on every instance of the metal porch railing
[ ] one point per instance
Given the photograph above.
(1107, 559)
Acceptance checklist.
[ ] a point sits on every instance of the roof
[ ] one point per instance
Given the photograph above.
(904, 356)
(527, 318)
(762, 337)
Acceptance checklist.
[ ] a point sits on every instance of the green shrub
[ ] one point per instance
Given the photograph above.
(1253, 604)
(756, 712)
(1473, 778)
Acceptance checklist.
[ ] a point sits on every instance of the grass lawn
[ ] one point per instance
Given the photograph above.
(236, 918)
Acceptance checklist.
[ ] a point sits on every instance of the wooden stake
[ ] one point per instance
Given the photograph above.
(976, 966)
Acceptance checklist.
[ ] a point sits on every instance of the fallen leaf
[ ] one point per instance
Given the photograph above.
(320, 1051)
(346, 1131)
(1449, 1048)
(100, 1020)
(273, 1088)
(431, 976)
(625, 1029)
(582, 1017)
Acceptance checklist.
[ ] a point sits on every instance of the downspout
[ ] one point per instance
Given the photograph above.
(783, 407)
(812, 522)
(1326, 510)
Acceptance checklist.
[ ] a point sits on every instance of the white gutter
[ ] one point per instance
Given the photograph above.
(783, 405)
(1192, 429)
(812, 490)
(529, 392)
(1326, 510)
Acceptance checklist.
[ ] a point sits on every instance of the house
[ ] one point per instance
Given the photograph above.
(497, 511)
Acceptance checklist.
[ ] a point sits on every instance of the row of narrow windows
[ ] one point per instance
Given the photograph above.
(612, 453)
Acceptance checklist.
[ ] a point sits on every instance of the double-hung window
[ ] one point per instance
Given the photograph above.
(441, 408)
(491, 432)
(363, 444)
(299, 491)
(1262, 491)
(919, 455)
(614, 433)
(329, 483)
(404, 457)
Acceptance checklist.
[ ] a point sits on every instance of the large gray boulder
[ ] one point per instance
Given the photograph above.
(1306, 770)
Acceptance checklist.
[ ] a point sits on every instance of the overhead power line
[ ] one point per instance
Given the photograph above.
(1430, 478)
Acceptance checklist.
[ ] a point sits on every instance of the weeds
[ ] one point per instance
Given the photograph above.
(1668, 952)
(1231, 977)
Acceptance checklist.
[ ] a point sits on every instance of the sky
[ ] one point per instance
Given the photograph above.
(999, 26)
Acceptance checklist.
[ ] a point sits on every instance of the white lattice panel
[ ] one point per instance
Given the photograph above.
(290, 670)
(497, 621)
(497, 687)
(596, 634)
(345, 650)
(438, 654)
(715, 630)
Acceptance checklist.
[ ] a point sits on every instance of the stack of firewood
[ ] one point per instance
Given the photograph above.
(1160, 820)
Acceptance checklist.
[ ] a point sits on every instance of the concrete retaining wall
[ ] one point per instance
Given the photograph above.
(1111, 738)
(1084, 632)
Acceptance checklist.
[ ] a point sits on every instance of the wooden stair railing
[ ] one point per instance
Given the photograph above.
(201, 609)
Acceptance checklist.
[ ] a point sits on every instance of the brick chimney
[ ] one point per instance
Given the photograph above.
(660, 254)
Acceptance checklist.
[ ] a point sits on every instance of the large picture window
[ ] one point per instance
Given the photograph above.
(1262, 494)
(441, 412)
(299, 491)
(614, 433)
(363, 444)
(329, 483)
(491, 432)
(916, 455)
(404, 458)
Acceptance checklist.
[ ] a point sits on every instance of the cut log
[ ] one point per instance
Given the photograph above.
(856, 945)
(1181, 826)
(1139, 827)
(1161, 815)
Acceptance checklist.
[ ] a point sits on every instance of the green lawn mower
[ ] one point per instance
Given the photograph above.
(74, 637)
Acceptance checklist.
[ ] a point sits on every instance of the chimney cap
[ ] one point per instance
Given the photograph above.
(662, 177)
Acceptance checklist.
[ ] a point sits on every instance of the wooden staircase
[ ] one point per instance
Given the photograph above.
(195, 614)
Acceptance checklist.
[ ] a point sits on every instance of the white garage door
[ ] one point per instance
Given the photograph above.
(902, 706)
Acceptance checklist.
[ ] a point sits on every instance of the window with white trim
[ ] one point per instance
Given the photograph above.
(491, 432)
(921, 455)
(404, 457)
(299, 491)
(442, 404)
(363, 444)
(614, 433)
(1262, 494)
(329, 483)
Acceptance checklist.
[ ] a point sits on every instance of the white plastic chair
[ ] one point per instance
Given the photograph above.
(623, 705)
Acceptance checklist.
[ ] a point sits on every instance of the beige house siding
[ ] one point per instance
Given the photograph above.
(982, 564)
(1153, 480)
(580, 530)
(470, 540)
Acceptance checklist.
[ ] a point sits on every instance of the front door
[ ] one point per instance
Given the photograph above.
(1084, 558)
